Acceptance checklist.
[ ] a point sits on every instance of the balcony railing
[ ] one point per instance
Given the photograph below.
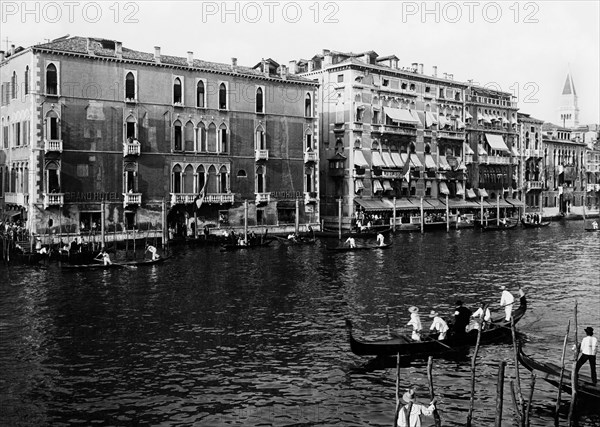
(310, 197)
(501, 160)
(261, 155)
(468, 158)
(310, 156)
(534, 185)
(219, 198)
(183, 198)
(55, 145)
(212, 198)
(131, 148)
(451, 134)
(263, 197)
(20, 199)
(132, 199)
(399, 130)
(375, 127)
(53, 199)
(389, 174)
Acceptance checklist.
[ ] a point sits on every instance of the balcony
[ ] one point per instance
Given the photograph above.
(310, 197)
(397, 130)
(391, 174)
(130, 101)
(310, 157)
(53, 199)
(356, 126)
(263, 198)
(468, 158)
(131, 148)
(261, 155)
(375, 127)
(132, 199)
(451, 134)
(219, 198)
(183, 198)
(53, 145)
(534, 185)
(498, 160)
(20, 199)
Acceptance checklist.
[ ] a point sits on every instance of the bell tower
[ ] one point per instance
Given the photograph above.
(568, 112)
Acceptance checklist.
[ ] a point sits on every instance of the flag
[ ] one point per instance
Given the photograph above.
(200, 198)
(406, 169)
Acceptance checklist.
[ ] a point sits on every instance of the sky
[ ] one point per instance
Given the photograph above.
(523, 47)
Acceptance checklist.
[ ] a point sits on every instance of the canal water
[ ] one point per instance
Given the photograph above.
(257, 337)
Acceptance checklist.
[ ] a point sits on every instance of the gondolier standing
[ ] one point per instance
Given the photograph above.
(589, 345)
(415, 322)
(507, 301)
(414, 410)
(439, 325)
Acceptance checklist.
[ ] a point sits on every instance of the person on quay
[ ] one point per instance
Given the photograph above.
(104, 257)
(480, 318)
(413, 410)
(350, 240)
(415, 322)
(462, 317)
(507, 301)
(589, 346)
(439, 325)
(380, 239)
(152, 250)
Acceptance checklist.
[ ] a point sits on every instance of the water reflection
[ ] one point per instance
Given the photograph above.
(257, 337)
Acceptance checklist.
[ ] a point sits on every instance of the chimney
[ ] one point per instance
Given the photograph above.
(420, 68)
(451, 76)
(234, 62)
(435, 71)
(446, 76)
(190, 60)
(1, 55)
(157, 54)
(88, 48)
(283, 72)
(12, 49)
(265, 67)
(119, 50)
(415, 66)
(292, 67)
(327, 58)
(394, 63)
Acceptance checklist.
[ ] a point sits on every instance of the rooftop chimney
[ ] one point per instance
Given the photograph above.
(234, 62)
(435, 71)
(157, 54)
(327, 58)
(283, 72)
(420, 68)
(89, 49)
(415, 66)
(119, 49)
(265, 67)
(190, 60)
(12, 49)
(1, 55)
(446, 76)
(292, 67)
(394, 63)
(451, 76)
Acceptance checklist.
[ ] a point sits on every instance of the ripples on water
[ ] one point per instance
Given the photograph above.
(257, 337)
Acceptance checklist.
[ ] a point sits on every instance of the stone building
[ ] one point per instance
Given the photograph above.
(92, 129)
(532, 165)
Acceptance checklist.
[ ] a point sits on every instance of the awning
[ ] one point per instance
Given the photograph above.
(468, 115)
(359, 159)
(416, 117)
(443, 122)
(444, 165)
(496, 142)
(397, 159)
(500, 203)
(414, 160)
(515, 151)
(461, 204)
(470, 193)
(387, 186)
(377, 186)
(374, 204)
(401, 116)
(444, 188)
(459, 189)
(429, 119)
(377, 160)
(460, 124)
(405, 205)
(484, 117)
(358, 185)
(434, 204)
(468, 149)
(481, 150)
(483, 193)
(515, 202)
(387, 159)
(429, 162)
(9, 215)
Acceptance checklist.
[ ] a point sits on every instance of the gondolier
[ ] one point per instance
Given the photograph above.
(439, 325)
(507, 301)
(589, 346)
(415, 322)
(414, 410)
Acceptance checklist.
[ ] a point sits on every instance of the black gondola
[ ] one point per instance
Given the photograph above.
(535, 224)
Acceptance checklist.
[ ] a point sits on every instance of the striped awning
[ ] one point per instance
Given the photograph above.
(377, 186)
(359, 160)
(386, 185)
(377, 160)
(444, 188)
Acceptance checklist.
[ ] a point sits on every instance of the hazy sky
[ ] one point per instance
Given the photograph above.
(522, 47)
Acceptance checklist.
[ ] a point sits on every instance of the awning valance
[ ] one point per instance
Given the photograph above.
(377, 186)
(484, 117)
(415, 161)
(460, 124)
(374, 204)
(359, 160)
(386, 185)
(405, 205)
(470, 193)
(429, 162)
(461, 204)
(459, 189)
(444, 188)
(444, 165)
(387, 159)
(397, 159)
(443, 122)
(496, 142)
(483, 193)
(358, 185)
(377, 160)
(401, 116)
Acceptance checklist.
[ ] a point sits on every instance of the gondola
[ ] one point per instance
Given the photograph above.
(535, 224)
(366, 234)
(98, 266)
(492, 226)
(497, 330)
(144, 261)
(592, 229)
(298, 242)
(550, 372)
(235, 247)
(359, 248)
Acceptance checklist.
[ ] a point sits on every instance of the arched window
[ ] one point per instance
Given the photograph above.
(222, 97)
(309, 180)
(51, 80)
(259, 101)
(308, 106)
(13, 85)
(26, 80)
(201, 137)
(260, 179)
(223, 180)
(241, 173)
(212, 183)
(176, 179)
(188, 179)
(260, 140)
(188, 137)
(52, 177)
(177, 97)
(130, 86)
(200, 179)
(211, 139)
(308, 141)
(223, 144)
(200, 94)
(129, 177)
(177, 134)
(130, 128)
(52, 126)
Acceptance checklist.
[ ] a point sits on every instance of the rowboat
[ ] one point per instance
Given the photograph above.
(550, 372)
(358, 248)
(122, 264)
(535, 224)
(492, 226)
(235, 247)
(143, 262)
(299, 241)
(498, 329)
(366, 234)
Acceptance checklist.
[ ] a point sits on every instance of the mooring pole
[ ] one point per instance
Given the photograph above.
(499, 394)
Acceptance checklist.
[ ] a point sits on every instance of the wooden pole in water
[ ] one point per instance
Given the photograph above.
(436, 415)
(165, 235)
(422, 217)
(517, 376)
(562, 373)
(394, 216)
(246, 222)
(398, 404)
(497, 209)
(473, 364)
(447, 215)
(102, 220)
(515, 403)
(340, 218)
(297, 222)
(571, 419)
(195, 223)
(528, 412)
(481, 218)
(499, 394)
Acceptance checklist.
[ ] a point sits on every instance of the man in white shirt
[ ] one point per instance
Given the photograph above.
(589, 345)
(415, 322)
(481, 319)
(439, 325)
(414, 410)
(507, 301)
